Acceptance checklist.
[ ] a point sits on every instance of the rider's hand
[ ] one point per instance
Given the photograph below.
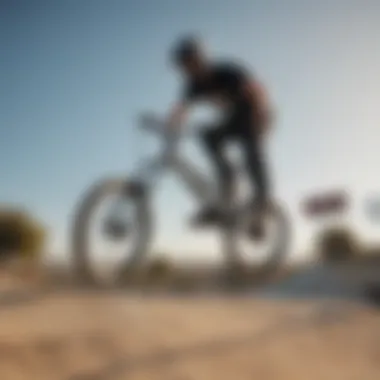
(177, 116)
(262, 124)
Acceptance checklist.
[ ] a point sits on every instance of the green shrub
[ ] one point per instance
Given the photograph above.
(20, 234)
(338, 244)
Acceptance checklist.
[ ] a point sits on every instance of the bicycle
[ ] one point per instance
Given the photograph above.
(137, 192)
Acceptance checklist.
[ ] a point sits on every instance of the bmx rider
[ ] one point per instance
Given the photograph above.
(246, 120)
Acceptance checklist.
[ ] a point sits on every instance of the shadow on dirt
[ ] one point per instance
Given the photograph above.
(339, 282)
(323, 282)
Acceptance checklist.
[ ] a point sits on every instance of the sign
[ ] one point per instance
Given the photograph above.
(326, 204)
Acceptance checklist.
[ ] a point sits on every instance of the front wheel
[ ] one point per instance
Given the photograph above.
(127, 224)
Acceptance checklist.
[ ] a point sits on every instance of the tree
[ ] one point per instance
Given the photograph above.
(20, 233)
(337, 244)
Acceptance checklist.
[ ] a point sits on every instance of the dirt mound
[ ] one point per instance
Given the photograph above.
(114, 337)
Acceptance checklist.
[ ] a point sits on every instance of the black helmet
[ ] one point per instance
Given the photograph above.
(186, 49)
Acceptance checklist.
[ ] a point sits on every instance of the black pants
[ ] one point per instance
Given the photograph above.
(241, 126)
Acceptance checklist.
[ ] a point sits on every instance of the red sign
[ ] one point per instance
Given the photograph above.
(326, 204)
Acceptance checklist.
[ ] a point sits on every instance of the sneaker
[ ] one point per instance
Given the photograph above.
(207, 216)
(257, 229)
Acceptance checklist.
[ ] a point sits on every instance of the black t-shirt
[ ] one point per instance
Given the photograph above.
(224, 80)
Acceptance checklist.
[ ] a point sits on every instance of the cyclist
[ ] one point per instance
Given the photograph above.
(246, 117)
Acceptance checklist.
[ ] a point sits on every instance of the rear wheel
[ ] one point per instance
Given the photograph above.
(250, 259)
(127, 226)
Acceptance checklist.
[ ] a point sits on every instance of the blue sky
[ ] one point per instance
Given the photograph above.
(74, 75)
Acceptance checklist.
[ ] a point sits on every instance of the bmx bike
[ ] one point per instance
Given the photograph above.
(130, 217)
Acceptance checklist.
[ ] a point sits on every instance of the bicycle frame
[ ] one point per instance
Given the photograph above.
(147, 175)
(152, 169)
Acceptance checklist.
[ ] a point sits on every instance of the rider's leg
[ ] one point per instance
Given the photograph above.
(255, 159)
(257, 169)
(214, 140)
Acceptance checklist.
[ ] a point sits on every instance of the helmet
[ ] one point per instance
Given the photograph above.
(186, 49)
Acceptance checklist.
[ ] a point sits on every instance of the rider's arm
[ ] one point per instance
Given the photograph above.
(245, 86)
(179, 112)
(256, 94)
(178, 115)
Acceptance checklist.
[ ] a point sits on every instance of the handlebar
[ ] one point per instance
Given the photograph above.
(153, 123)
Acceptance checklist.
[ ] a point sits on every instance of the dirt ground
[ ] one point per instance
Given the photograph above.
(117, 337)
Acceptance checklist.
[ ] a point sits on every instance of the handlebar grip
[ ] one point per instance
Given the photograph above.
(150, 122)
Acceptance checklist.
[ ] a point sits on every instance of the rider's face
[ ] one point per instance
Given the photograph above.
(193, 68)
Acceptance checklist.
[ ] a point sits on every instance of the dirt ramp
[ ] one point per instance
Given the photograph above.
(112, 337)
